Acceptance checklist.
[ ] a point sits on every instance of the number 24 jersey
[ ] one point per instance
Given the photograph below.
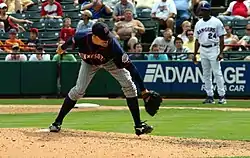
(208, 32)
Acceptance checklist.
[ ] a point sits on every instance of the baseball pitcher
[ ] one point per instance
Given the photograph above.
(209, 33)
(99, 49)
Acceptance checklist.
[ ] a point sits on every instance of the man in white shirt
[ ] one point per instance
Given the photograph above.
(165, 11)
(165, 43)
(15, 57)
(39, 56)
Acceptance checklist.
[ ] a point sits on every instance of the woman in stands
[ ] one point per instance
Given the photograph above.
(230, 38)
(9, 21)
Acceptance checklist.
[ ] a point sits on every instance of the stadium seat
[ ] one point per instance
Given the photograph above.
(65, 2)
(24, 36)
(74, 23)
(72, 15)
(151, 31)
(34, 16)
(39, 25)
(34, 8)
(70, 8)
(49, 36)
(18, 16)
(239, 32)
(4, 36)
(240, 24)
(54, 26)
(110, 24)
(235, 55)
(227, 22)
(142, 16)
(2, 56)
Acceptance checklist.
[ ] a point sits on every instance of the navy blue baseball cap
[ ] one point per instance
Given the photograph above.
(204, 5)
(102, 31)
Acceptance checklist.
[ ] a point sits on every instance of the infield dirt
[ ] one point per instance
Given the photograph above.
(26, 143)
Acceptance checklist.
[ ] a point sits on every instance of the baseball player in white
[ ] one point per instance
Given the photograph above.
(209, 33)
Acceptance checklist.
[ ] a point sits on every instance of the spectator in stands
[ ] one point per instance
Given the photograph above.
(230, 38)
(12, 41)
(9, 21)
(16, 57)
(155, 49)
(191, 40)
(120, 7)
(18, 6)
(165, 11)
(40, 55)
(165, 43)
(183, 13)
(179, 49)
(245, 40)
(1, 47)
(138, 50)
(237, 10)
(86, 23)
(186, 25)
(51, 11)
(67, 31)
(97, 8)
(33, 39)
(64, 57)
(128, 30)
(247, 58)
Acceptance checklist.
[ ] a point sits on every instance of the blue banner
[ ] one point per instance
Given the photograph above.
(186, 77)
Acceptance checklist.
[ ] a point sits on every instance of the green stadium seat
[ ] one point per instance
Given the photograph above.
(48, 36)
(227, 22)
(24, 36)
(151, 31)
(74, 24)
(18, 16)
(33, 16)
(39, 25)
(4, 36)
(72, 15)
(240, 32)
(54, 26)
(34, 8)
(240, 24)
(2, 56)
(235, 55)
(110, 24)
(70, 8)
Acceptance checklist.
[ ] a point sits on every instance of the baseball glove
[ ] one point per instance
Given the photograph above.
(152, 102)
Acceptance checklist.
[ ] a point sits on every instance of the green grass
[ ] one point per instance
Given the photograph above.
(122, 102)
(181, 123)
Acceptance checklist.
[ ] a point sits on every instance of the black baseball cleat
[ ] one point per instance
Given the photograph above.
(55, 127)
(143, 128)
(222, 100)
(209, 100)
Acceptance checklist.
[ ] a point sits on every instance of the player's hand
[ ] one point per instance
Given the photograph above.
(220, 57)
(59, 49)
(195, 60)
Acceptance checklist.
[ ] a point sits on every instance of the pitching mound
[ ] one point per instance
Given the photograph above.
(25, 143)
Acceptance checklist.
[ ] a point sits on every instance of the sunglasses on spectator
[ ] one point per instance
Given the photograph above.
(248, 29)
(190, 34)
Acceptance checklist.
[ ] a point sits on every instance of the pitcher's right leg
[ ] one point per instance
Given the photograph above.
(85, 75)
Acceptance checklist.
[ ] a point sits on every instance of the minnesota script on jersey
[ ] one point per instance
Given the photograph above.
(95, 54)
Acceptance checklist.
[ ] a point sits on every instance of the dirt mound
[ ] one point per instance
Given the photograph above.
(13, 109)
(25, 143)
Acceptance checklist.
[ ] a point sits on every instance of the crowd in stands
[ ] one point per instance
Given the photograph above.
(166, 26)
